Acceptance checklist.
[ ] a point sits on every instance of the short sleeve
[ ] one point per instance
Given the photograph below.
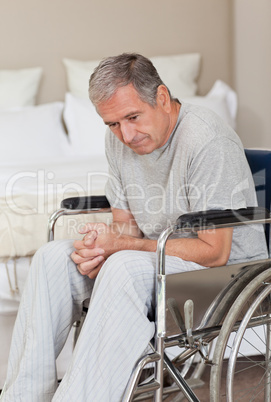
(219, 177)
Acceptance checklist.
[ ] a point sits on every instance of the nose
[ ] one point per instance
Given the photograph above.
(128, 133)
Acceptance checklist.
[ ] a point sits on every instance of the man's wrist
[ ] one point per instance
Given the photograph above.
(126, 242)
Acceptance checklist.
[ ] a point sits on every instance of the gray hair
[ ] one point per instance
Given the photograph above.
(118, 71)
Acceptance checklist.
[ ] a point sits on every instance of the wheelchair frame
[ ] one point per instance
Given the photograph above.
(245, 276)
(245, 287)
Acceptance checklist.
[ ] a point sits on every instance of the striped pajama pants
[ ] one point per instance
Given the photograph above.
(115, 333)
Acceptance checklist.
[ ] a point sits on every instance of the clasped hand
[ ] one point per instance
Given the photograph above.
(91, 252)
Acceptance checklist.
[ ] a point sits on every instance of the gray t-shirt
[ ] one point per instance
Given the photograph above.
(201, 167)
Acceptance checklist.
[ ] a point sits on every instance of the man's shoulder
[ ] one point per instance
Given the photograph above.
(200, 125)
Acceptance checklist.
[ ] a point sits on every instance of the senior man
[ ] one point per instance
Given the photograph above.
(166, 158)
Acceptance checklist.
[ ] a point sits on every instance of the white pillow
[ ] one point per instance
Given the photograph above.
(222, 89)
(178, 72)
(19, 87)
(86, 129)
(78, 75)
(33, 132)
(221, 99)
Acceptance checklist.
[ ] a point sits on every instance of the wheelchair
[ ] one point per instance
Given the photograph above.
(218, 317)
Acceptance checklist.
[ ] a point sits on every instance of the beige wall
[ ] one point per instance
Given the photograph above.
(252, 70)
(42, 32)
(232, 36)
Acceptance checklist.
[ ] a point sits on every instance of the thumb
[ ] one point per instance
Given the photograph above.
(88, 227)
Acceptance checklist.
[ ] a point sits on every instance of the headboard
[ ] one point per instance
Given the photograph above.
(42, 33)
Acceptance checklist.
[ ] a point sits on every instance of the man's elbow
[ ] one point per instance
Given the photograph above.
(218, 247)
(220, 259)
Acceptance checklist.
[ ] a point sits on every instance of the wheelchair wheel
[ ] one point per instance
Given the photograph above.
(242, 353)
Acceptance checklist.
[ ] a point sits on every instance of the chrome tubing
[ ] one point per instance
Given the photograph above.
(130, 390)
(160, 309)
(63, 212)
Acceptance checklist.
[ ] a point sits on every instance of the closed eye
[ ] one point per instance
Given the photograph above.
(113, 125)
(132, 118)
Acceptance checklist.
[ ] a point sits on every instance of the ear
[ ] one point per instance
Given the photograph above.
(163, 98)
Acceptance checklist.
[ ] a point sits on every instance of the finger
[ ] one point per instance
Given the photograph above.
(91, 252)
(77, 259)
(85, 254)
(88, 227)
(99, 227)
(95, 271)
(89, 238)
(87, 267)
(78, 244)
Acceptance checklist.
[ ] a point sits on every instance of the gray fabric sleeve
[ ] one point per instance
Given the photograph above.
(218, 171)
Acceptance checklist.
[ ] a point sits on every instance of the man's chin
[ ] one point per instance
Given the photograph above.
(141, 150)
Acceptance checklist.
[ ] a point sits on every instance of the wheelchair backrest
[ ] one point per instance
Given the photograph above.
(260, 165)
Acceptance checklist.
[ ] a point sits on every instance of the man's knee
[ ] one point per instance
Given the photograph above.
(120, 258)
(134, 272)
(53, 251)
(130, 262)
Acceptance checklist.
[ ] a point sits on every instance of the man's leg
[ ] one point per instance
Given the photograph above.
(116, 330)
(51, 302)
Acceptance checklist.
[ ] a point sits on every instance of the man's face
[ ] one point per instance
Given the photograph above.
(137, 124)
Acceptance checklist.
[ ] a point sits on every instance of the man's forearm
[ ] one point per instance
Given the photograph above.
(125, 228)
(212, 253)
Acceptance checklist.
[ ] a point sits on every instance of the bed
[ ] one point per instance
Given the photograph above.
(56, 150)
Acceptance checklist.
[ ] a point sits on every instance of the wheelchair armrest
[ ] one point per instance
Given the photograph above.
(89, 202)
(205, 219)
(77, 205)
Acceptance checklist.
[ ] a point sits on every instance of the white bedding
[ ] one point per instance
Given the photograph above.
(30, 192)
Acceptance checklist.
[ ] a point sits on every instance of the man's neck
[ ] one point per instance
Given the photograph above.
(176, 106)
